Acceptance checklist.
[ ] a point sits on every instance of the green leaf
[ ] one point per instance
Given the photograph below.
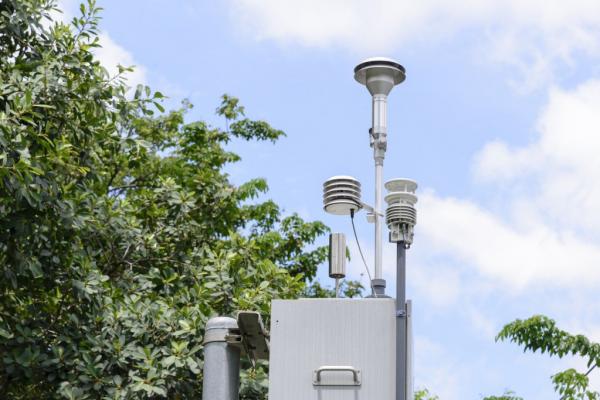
(124, 232)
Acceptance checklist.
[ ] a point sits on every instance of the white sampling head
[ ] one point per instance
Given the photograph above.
(401, 214)
(379, 74)
(341, 195)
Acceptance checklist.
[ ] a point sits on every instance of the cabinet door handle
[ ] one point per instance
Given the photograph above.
(331, 368)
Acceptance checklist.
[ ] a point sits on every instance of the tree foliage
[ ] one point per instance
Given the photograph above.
(541, 333)
(423, 394)
(120, 232)
(508, 395)
(348, 289)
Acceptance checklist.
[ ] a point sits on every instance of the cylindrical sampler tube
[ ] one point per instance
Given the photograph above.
(337, 255)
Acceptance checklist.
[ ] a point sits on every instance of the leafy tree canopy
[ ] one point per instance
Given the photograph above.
(120, 232)
(541, 333)
(423, 394)
(347, 289)
(508, 395)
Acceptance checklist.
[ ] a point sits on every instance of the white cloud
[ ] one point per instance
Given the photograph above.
(439, 285)
(442, 373)
(529, 35)
(112, 54)
(561, 169)
(513, 257)
(535, 244)
(547, 233)
(356, 24)
(533, 247)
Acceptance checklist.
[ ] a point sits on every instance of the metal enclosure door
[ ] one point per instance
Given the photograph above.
(309, 334)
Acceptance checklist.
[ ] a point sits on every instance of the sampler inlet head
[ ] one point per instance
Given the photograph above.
(401, 214)
(379, 74)
(341, 195)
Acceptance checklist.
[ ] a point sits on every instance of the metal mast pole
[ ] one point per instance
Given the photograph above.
(401, 343)
(401, 217)
(221, 361)
(379, 75)
(379, 143)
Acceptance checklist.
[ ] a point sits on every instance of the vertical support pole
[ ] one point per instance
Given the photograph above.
(379, 143)
(378, 206)
(401, 348)
(410, 351)
(221, 361)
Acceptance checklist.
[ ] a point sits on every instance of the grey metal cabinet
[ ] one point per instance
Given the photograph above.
(332, 349)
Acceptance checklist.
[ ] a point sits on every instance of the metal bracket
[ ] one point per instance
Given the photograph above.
(370, 218)
(402, 233)
(253, 337)
(319, 371)
(233, 338)
(381, 141)
(371, 210)
(401, 313)
(222, 334)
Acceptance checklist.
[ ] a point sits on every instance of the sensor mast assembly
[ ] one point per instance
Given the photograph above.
(379, 75)
(341, 196)
(335, 348)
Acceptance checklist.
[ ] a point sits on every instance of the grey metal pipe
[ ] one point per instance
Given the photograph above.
(401, 350)
(379, 131)
(221, 361)
(410, 351)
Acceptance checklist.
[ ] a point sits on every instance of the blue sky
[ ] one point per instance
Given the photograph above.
(498, 120)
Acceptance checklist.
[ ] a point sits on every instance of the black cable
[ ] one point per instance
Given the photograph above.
(361, 253)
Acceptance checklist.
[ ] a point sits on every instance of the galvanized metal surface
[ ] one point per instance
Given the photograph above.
(309, 334)
(378, 274)
(221, 361)
(255, 343)
(401, 343)
(410, 351)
